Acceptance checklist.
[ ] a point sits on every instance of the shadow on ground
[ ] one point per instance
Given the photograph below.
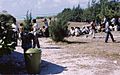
(73, 42)
(48, 68)
(12, 63)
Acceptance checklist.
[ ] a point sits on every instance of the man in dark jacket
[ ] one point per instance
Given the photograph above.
(27, 38)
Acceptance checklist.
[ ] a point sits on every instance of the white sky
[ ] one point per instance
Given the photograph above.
(19, 8)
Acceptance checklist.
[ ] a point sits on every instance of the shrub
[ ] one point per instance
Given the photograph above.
(7, 43)
(58, 29)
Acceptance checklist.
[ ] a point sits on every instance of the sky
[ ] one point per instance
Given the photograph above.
(18, 8)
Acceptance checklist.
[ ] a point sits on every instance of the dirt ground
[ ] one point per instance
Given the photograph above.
(77, 56)
(81, 56)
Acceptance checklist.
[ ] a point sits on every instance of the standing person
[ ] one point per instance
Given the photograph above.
(46, 23)
(46, 28)
(36, 28)
(92, 29)
(49, 21)
(21, 28)
(15, 32)
(108, 31)
(27, 37)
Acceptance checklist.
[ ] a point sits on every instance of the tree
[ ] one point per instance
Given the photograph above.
(65, 14)
(77, 13)
(58, 29)
(7, 43)
(96, 9)
(27, 20)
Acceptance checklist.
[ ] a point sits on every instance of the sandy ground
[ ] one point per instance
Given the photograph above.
(81, 56)
(77, 56)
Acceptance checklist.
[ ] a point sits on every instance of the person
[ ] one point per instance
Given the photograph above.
(35, 30)
(21, 28)
(92, 29)
(108, 31)
(46, 23)
(27, 37)
(113, 21)
(15, 32)
(46, 28)
(45, 31)
(77, 31)
(49, 21)
(85, 30)
(72, 31)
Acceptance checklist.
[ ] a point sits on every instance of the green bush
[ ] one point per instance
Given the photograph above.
(58, 30)
(7, 43)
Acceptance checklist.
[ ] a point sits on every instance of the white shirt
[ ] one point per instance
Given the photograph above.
(72, 31)
(107, 27)
(104, 20)
(113, 20)
(36, 27)
(77, 31)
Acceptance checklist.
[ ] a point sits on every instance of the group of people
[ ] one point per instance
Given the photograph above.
(107, 24)
(77, 31)
(29, 36)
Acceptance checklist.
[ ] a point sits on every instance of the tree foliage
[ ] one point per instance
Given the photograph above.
(7, 43)
(58, 29)
(27, 20)
(96, 9)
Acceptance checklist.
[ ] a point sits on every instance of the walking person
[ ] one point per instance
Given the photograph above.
(35, 30)
(108, 31)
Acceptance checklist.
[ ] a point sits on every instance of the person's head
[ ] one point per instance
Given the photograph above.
(50, 18)
(21, 24)
(43, 27)
(34, 20)
(45, 19)
(72, 28)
